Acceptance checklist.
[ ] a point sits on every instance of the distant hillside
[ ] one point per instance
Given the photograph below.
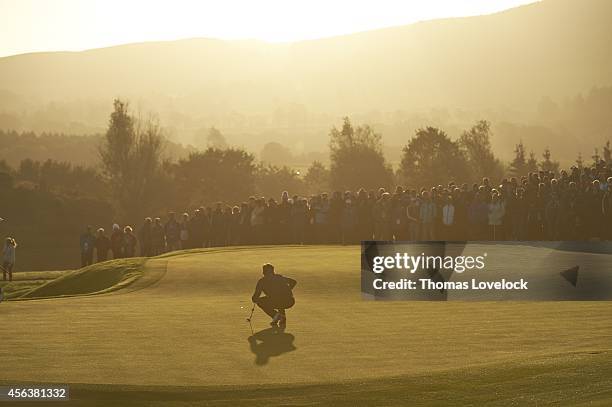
(257, 92)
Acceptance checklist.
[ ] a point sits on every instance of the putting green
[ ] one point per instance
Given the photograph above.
(183, 324)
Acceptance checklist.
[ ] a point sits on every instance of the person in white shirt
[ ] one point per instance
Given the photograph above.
(497, 210)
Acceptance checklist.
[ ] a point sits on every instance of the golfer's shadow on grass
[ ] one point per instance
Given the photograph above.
(270, 342)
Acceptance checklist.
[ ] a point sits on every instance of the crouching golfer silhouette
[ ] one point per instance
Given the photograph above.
(278, 295)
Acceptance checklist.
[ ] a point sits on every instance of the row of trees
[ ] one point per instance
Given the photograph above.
(136, 177)
(431, 157)
(77, 149)
(133, 165)
(141, 181)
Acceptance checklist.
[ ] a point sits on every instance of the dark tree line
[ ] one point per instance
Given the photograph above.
(135, 176)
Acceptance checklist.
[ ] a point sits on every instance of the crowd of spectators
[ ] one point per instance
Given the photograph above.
(573, 205)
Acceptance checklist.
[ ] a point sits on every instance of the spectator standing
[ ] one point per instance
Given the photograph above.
(146, 238)
(284, 218)
(299, 220)
(427, 215)
(102, 245)
(172, 230)
(258, 221)
(448, 219)
(217, 226)
(8, 258)
(184, 231)
(158, 240)
(336, 207)
(413, 216)
(496, 213)
(129, 242)
(87, 245)
(348, 219)
(479, 217)
(117, 242)
(551, 216)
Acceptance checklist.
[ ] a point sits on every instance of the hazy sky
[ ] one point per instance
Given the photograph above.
(53, 25)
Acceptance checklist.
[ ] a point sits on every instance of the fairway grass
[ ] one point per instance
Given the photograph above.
(580, 379)
(178, 336)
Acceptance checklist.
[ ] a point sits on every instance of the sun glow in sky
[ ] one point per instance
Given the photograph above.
(71, 25)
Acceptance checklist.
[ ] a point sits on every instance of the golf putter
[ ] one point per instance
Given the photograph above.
(251, 316)
(251, 326)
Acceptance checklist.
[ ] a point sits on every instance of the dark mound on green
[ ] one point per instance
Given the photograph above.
(95, 279)
(25, 282)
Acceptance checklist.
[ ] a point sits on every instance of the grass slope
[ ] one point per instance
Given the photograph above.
(25, 282)
(95, 279)
(182, 339)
